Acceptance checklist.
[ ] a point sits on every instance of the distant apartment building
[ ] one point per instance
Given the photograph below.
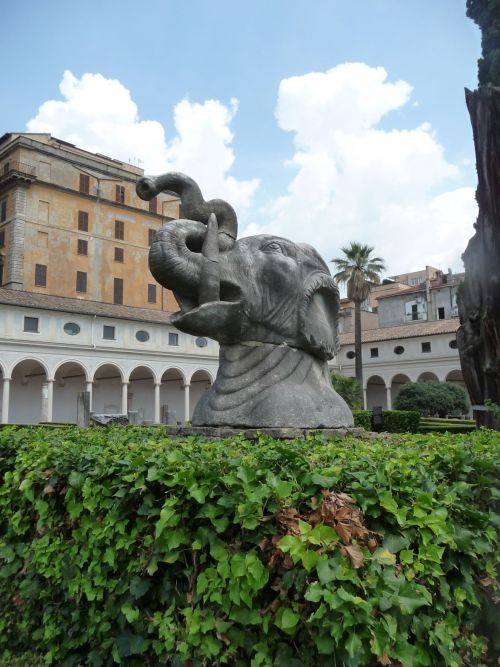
(72, 225)
(79, 309)
(409, 325)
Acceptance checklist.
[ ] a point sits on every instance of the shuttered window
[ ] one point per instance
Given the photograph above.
(119, 230)
(118, 254)
(83, 221)
(151, 293)
(40, 275)
(120, 194)
(153, 205)
(82, 247)
(84, 184)
(81, 281)
(151, 235)
(2, 239)
(118, 291)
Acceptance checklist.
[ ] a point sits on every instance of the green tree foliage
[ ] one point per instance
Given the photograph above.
(359, 271)
(432, 398)
(349, 389)
(120, 546)
(486, 14)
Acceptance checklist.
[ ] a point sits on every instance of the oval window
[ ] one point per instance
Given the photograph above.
(71, 328)
(351, 354)
(453, 344)
(201, 342)
(142, 336)
(399, 349)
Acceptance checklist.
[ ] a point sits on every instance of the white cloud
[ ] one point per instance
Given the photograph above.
(99, 115)
(393, 189)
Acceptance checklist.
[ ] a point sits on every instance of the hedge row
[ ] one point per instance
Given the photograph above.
(120, 546)
(393, 421)
(438, 425)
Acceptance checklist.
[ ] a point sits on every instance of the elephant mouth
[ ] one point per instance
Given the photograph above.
(219, 319)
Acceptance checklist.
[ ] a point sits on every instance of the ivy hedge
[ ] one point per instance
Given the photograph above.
(119, 546)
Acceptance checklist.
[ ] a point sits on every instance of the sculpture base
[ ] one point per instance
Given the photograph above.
(220, 432)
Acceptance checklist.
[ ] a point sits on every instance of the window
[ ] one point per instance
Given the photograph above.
(441, 313)
(3, 210)
(40, 275)
(120, 194)
(1, 271)
(414, 312)
(2, 239)
(173, 339)
(82, 247)
(108, 333)
(426, 347)
(151, 235)
(351, 354)
(142, 336)
(81, 281)
(31, 324)
(71, 328)
(374, 352)
(201, 342)
(153, 205)
(6, 168)
(84, 184)
(119, 230)
(118, 254)
(118, 290)
(399, 349)
(453, 344)
(83, 221)
(151, 293)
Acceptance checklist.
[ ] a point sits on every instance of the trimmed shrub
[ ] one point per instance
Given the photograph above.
(363, 419)
(400, 421)
(432, 398)
(120, 546)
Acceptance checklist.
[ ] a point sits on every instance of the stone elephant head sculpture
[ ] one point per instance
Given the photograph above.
(271, 304)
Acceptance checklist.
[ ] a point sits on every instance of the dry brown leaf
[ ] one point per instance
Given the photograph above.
(355, 554)
(48, 489)
(384, 660)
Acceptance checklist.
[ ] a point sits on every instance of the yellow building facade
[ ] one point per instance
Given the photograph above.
(71, 224)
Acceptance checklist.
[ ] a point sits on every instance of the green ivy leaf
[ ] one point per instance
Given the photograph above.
(286, 619)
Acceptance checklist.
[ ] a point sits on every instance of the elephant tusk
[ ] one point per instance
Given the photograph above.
(209, 289)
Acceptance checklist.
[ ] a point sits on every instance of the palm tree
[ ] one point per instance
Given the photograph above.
(359, 271)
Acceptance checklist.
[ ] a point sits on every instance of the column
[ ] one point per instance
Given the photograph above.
(124, 398)
(389, 398)
(50, 399)
(365, 402)
(89, 386)
(186, 402)
(5, 400)
(157, 402)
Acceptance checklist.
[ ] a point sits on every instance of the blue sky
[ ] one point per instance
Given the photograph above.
(261, 151)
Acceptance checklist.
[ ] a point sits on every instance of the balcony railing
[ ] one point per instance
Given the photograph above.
(13, 170)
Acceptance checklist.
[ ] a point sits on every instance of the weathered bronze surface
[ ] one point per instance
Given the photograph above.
(270, 303)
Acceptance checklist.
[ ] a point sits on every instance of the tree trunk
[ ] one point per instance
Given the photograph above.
(479, 296)
(357, 343)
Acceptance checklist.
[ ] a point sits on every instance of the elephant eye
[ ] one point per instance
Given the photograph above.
(272, 246)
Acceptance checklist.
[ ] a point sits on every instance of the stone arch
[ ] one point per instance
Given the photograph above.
(70, 378)
(140, 394)
(376, 394)
(107, 393)
(428, 376)
(200, 381)
(397, 383)
(172, 396)
(29, 382)
(86, 370)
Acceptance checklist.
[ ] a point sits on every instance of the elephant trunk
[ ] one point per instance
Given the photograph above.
(176, 262)
(193, 205)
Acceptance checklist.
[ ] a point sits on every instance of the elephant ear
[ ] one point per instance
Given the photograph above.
(318, 316)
